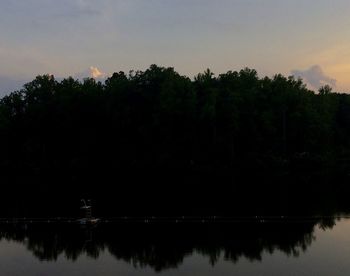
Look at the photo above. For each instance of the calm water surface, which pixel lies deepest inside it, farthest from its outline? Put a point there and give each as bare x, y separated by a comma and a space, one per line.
298, 247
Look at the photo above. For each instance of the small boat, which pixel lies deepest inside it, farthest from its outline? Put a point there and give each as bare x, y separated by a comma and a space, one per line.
88, 219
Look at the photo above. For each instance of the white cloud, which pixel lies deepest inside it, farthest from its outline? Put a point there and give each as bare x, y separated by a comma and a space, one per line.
11, 84
92, 72
315, 77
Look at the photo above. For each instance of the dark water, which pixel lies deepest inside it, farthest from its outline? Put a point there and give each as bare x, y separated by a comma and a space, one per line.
299, 246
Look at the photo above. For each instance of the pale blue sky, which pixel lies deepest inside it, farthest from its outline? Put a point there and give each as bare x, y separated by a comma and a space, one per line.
68, 36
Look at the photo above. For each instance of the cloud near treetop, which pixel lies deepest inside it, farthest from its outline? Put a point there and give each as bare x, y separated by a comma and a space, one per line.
91, 72
315, 77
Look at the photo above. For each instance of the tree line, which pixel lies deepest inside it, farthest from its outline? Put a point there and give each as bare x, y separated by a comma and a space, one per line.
168, 136
149, 246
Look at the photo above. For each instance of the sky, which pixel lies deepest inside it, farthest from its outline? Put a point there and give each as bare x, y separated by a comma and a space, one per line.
306, 38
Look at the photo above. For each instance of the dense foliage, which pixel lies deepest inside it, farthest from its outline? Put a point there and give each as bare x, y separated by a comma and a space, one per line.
159, 133
164, 246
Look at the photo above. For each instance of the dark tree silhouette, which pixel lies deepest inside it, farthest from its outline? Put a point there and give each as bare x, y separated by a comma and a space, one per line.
165, 246
157, 142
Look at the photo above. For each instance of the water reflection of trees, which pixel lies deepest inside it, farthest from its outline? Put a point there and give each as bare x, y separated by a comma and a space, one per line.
166, 246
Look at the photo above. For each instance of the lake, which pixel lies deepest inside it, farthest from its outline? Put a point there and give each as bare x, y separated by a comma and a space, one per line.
246, 246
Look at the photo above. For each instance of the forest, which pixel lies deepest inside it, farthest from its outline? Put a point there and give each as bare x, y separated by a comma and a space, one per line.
149, 246
154, 142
